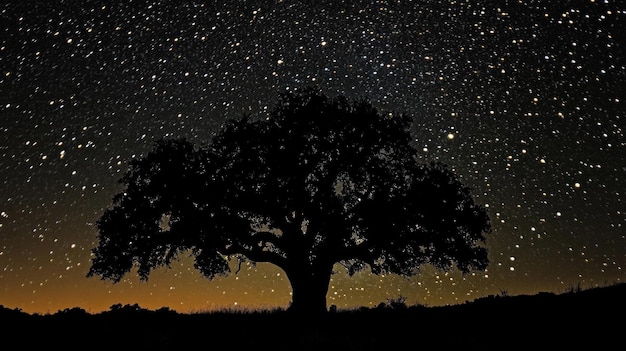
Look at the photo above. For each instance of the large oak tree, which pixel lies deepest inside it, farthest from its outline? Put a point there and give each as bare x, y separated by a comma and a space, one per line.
319, 181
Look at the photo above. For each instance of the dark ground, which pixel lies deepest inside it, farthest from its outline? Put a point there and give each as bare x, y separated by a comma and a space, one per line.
591, 319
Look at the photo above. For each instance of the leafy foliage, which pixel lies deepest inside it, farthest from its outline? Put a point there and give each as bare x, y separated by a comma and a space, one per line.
319, 181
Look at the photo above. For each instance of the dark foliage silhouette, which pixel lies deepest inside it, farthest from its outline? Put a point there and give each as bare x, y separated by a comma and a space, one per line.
320, 181
569, 321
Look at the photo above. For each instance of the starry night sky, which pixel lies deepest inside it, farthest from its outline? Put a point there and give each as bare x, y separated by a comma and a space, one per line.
525, 100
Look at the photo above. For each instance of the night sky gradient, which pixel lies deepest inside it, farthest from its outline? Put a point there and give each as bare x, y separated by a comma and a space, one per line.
525, 100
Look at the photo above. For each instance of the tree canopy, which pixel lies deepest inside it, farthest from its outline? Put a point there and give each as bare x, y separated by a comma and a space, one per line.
316, 182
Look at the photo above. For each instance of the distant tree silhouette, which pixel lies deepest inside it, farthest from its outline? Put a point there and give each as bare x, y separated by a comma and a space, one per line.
319, 181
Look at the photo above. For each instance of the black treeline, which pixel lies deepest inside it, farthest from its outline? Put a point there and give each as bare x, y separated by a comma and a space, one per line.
591, 319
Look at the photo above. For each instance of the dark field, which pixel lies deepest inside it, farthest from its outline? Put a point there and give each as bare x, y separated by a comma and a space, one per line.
592, 319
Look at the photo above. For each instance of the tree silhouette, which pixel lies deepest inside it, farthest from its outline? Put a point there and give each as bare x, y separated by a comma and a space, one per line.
320, 181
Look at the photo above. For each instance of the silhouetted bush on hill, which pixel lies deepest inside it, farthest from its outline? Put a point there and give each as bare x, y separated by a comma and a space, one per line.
588, 318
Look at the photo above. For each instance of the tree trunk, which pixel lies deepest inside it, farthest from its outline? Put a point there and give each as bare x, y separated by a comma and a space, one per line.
309, 289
